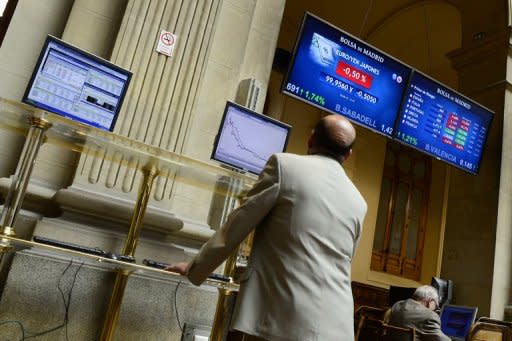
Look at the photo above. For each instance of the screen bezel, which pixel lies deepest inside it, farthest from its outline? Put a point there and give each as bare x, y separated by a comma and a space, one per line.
44, 49
253, 113
448, 306
292, 63
484, 144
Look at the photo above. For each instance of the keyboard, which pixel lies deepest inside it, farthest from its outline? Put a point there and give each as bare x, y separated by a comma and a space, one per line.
160, 265
85, 249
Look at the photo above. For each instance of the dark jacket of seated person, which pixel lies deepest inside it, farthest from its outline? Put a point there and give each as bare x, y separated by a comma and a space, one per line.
418, 313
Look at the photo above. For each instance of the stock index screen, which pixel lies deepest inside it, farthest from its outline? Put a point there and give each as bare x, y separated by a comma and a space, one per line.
75, 84
340, 74
443, 123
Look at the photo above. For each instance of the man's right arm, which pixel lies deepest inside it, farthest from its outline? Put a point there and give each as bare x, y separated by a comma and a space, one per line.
256, 205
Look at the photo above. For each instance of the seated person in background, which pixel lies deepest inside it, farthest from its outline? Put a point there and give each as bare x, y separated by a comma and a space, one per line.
418, 313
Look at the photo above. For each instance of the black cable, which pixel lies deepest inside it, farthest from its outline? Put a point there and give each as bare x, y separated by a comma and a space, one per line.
66, 303
176, 306
365, 18
427, 36
22, 329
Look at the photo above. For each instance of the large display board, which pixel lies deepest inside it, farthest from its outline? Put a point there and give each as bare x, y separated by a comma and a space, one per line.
78, 85
247, 139
339, 73
443, 123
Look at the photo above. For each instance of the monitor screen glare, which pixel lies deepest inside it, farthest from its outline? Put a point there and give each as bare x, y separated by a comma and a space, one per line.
77, 85
456, 321
339, 73
440, 122
247, 139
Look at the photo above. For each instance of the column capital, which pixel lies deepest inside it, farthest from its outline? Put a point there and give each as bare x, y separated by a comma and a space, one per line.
479, 52
481, 66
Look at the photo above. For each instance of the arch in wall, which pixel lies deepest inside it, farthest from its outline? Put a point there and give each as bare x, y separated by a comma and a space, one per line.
421, 34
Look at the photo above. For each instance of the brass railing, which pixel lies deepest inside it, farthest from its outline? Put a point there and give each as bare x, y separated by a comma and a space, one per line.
44, 126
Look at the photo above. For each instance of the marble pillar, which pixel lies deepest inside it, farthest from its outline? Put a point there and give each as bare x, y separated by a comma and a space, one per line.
501, 299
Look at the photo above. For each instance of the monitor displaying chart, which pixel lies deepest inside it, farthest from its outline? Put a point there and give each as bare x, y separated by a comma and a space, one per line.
247, 139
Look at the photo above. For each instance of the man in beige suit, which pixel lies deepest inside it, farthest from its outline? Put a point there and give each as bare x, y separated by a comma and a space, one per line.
308, 217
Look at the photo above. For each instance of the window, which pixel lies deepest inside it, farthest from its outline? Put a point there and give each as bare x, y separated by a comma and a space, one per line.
7, 8
401, 217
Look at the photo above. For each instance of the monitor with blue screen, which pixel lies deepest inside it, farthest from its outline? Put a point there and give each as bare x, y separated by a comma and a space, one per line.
456, 320
339, 73
78, 85
443, 123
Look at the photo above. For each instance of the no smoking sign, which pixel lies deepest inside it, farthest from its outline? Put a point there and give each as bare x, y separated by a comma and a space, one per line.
166, 43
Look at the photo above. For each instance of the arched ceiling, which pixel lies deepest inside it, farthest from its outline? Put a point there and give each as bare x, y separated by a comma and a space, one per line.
421, 35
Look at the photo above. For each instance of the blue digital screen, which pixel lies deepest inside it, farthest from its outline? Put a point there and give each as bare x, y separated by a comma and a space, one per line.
443, 123
456, 321
340, 74
78, 85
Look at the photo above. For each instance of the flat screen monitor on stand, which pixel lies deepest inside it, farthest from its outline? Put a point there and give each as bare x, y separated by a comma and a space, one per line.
78, 85
246, 139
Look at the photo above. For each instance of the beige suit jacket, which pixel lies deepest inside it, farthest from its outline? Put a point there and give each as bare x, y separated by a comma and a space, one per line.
308, 218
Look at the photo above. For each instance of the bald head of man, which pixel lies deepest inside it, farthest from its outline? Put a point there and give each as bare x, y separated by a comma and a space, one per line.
333, 136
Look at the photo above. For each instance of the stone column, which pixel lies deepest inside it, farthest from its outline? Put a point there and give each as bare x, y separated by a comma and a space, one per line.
175, 103
93, 24
501, 299
158, 103
231, 61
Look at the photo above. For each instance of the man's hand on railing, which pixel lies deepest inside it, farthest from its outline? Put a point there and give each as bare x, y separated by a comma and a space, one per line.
180, 268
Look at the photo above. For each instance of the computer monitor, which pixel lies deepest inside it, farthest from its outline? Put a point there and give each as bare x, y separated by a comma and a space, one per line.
456, 320
443, 123
246, 139
76, 84
399, 294
444, 288
339, 73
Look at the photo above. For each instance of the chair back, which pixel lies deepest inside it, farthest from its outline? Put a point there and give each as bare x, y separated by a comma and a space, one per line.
377, 330
494, 321
368, 322
394, 333
484, 331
